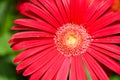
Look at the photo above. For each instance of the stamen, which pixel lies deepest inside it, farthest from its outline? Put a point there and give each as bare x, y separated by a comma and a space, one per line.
72, 39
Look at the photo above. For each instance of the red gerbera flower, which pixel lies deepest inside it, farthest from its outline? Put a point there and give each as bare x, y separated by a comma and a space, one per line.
62, 37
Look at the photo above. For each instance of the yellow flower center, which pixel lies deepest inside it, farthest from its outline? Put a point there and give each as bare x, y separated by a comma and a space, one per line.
71, 41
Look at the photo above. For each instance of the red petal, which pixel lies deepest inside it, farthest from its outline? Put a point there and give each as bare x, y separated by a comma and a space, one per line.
30, 34
30, 43
41, 14
108, 53
92, 73
77, 69
29, 52
111, 39
97, 68
18, 27
67, 9
40, 63
105, 60
73, 69
92, 9
36, 2
115, 29
34, 58
41, 71
61, 9
110, 47
107, 18
63, 72
40, 25
24, 10
52, 71
78, 8
103, 7
51, 8
80, 69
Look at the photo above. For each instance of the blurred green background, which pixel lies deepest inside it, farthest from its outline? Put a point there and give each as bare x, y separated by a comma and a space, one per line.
8, 14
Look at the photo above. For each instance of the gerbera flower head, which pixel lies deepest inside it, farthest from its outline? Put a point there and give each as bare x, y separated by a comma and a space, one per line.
60, 39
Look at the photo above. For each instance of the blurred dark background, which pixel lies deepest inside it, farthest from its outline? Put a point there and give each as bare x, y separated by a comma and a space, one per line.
8, 13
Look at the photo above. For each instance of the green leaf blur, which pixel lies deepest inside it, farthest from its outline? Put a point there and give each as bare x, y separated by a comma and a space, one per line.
8, 14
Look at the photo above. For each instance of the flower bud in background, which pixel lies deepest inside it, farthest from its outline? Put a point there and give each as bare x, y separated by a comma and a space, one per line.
116, 5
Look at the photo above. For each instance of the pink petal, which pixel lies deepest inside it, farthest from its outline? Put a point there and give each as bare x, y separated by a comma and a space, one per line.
38, 74
97, 68
106, 52
30, 43
63, 72
32, 59
40, 25
105, 60
115, 29
29, 52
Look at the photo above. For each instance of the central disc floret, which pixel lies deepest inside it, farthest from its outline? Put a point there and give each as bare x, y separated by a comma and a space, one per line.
72, 40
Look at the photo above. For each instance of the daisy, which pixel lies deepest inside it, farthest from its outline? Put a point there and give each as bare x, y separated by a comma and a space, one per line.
62, 39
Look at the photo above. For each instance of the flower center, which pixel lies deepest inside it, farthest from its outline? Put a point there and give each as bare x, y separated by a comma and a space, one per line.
72, 39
